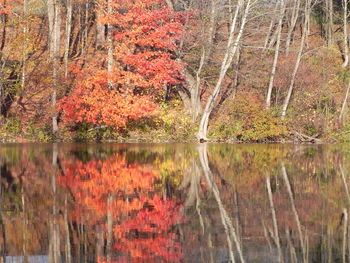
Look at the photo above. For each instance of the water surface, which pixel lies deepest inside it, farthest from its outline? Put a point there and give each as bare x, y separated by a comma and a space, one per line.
174, 203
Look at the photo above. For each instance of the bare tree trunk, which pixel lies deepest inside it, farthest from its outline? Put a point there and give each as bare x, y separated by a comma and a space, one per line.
269, 31
232, 46
297, 63
84, 41
4, 32
345, 32
275, 60
206, 52
329, 18
68, 33
100, 28
54, 14
293, 22
345, 102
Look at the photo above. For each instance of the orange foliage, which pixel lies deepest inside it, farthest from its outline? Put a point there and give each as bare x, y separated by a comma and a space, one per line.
146, 35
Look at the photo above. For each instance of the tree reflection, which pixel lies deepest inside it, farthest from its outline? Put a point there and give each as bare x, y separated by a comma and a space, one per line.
199, 203
121, 198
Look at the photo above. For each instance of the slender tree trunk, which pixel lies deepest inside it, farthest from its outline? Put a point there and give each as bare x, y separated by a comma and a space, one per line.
293, 22
297, 63
206, 53
100, 28
231, 50
329, 18
54, 14
84, 41
277, 51
345, 102
345, 31
272, 23
68, 33
3, 33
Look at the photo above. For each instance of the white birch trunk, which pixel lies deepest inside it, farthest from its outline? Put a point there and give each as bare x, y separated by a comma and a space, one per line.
68, 33
231, 50
276, 56
297, 63
293, 22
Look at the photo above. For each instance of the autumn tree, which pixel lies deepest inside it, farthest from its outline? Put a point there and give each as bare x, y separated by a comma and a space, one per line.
145, 36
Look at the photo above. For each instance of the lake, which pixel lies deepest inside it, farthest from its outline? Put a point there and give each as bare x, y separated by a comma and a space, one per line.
174, 203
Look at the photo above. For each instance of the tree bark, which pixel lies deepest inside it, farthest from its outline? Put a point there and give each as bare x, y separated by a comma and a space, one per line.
231, 49
297, 63
345, 31
54, 14
277, 51
293, 22
329, 27
269, 31
68, 33
345, 102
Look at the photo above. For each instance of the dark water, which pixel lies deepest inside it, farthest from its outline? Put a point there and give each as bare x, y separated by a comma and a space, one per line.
174, 203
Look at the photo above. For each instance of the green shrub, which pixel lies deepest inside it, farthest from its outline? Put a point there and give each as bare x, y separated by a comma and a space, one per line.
11, 126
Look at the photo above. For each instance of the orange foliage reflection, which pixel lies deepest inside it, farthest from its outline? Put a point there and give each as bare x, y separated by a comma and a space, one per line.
143, 222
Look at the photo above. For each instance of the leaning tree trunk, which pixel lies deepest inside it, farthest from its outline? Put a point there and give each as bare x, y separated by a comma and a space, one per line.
293, 22
345, 102
232, 46
297, 63
272, 23
277, 51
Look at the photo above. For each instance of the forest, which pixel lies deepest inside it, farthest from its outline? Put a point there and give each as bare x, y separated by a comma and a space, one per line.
174, 70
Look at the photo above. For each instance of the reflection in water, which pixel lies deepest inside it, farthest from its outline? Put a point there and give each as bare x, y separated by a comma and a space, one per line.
174, 203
